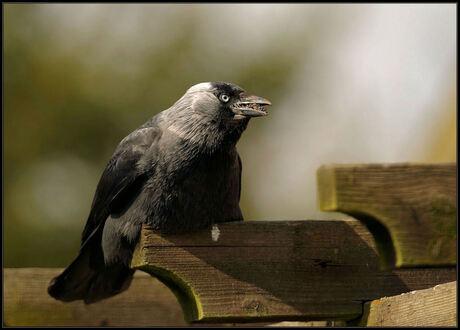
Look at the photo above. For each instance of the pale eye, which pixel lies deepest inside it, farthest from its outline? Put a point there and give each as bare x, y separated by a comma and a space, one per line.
224, 98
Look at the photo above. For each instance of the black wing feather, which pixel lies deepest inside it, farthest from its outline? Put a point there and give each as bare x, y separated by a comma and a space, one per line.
122, 178
88, 277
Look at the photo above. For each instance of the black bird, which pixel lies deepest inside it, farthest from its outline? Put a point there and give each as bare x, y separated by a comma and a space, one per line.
177, 172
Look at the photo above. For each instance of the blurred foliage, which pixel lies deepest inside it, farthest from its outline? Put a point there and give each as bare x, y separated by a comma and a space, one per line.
60, 102
79, 77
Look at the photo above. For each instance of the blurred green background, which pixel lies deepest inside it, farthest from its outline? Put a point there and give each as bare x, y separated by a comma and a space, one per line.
348, 83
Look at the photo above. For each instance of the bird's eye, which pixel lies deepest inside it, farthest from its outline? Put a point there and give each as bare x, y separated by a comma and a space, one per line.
224, 98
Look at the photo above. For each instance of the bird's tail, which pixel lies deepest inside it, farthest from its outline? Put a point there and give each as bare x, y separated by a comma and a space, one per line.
89, 279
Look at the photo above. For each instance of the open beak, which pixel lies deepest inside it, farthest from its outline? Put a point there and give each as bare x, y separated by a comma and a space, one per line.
250, 106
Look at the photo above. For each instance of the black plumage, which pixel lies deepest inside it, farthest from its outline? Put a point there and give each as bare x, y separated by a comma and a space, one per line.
177, 172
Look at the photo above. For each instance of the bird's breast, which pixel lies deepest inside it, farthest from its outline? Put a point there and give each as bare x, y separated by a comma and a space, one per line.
196, 194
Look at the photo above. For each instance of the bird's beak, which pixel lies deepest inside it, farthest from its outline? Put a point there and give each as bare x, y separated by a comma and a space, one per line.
250, 106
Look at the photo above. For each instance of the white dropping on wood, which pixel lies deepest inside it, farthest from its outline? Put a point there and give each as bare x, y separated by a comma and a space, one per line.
215, 233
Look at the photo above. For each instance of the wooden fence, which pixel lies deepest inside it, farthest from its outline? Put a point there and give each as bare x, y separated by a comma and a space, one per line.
392, 264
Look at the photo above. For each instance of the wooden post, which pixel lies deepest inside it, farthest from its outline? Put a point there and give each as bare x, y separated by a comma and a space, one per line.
410, 208
257, 271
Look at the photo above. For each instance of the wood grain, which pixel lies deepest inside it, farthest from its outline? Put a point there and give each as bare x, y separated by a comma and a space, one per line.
434, 307
146, 303
26, 303
276, 270
410, 208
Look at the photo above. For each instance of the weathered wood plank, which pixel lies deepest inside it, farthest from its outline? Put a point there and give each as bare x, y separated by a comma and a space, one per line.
410, 208
276, 270
26, 303
433, 307
147, 302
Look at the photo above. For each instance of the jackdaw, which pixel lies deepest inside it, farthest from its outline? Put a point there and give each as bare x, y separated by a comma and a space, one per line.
177, 172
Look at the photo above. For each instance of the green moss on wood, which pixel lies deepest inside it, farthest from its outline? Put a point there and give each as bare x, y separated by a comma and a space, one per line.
184, 293
327, 195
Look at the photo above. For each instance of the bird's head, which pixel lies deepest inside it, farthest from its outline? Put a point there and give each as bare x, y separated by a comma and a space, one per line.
225, 101
217, 108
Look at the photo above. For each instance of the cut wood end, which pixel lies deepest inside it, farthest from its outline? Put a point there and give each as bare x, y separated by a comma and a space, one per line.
327, 195
185, 294
138, 259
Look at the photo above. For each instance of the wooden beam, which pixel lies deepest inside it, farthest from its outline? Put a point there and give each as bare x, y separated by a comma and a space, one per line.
410, 208
26, 302
433, 307
276, 270
146, 303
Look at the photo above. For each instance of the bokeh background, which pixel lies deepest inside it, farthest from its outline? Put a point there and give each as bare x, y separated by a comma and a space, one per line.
349, 84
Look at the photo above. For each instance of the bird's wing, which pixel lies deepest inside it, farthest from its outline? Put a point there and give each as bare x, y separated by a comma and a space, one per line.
122, 178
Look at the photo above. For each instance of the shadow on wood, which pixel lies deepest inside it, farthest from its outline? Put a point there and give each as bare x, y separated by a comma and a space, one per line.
276, 270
